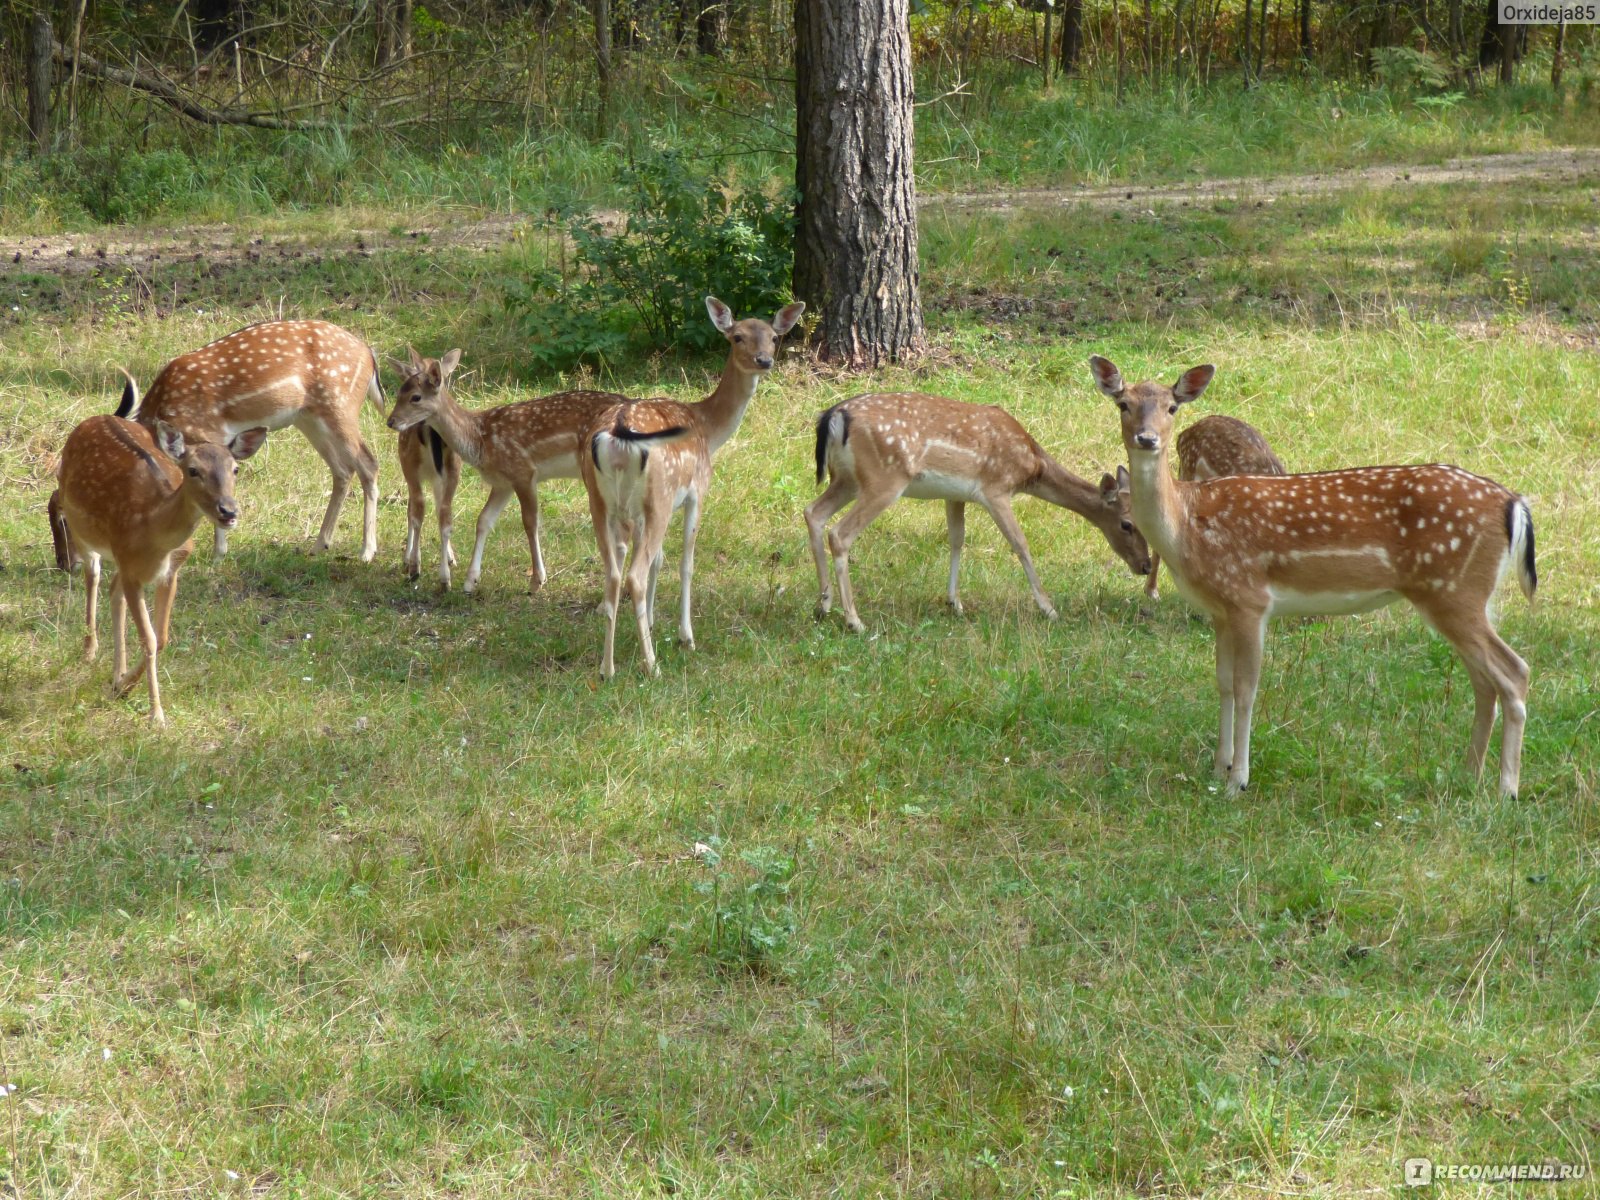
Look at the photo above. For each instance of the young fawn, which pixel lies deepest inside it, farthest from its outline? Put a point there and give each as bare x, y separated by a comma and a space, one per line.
885, 445
427, 464
1210, 448
1248, 547
646, 459
137, 497
513, 447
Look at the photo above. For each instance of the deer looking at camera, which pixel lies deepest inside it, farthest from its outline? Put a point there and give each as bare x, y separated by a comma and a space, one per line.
884, 445
427, 464
309, 374
137, 497
645, 459
1212, 447
1248, 547
513, 447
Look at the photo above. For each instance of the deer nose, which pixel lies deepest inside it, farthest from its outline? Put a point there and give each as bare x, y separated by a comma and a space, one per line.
764, 361
1146, 441
228, 511
392, 425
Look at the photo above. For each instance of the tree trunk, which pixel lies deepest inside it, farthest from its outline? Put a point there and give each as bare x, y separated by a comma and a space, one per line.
1458, 41
855, 261
1245, 43
1305, 31
1266, 20
1558, 54
600, 10
1500, 44
710, 26
394, 31
1071, 35
41, 74
1049, 55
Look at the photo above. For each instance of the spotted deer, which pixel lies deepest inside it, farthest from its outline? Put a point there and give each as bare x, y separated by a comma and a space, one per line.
309, 374
879, 447
645, 459
513, 447
427, 464
1214, 446
1247, 547
137, 497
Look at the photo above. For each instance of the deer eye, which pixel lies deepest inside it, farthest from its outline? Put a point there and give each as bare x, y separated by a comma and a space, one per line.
235, 468
739, 337
1172, 409
1123, 405
1127, 527
194, 473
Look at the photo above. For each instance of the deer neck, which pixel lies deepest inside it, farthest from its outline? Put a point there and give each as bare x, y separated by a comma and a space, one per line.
1159, 503
720, 413
460, 427
1057, 485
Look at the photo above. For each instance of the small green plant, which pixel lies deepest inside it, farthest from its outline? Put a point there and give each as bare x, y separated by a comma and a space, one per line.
750, 922
686, 234
1406, 69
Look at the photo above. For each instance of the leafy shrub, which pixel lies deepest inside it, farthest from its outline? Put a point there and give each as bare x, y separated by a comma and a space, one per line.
750, 922
686, 234
1405, 69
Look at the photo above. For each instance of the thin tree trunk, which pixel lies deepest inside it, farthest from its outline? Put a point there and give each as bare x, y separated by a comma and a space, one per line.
394, 31
1071, 36
855, 258
1266, 21
1305, 30
41, 74
1151, 56
1116, 22
710, 27
1246, 42
600, 10
1049, 45
1558, 54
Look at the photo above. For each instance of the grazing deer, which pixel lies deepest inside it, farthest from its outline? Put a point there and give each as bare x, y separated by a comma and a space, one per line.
513, 446
1210, 448
427, 463
646, 459
1248, 547
137, 498
309, 374
885, 445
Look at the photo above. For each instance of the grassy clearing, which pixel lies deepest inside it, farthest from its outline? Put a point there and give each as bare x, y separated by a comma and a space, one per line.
1005, 132
404, 901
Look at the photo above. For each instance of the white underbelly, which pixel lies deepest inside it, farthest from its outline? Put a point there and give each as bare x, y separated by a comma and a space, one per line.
561, 466
1286, 602
935, 485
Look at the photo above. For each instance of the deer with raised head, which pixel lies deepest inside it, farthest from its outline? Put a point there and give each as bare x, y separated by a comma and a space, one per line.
645, 459
137, 497
309, 374
1244, 548
513, 446
427, 464
881, 446
1212, 447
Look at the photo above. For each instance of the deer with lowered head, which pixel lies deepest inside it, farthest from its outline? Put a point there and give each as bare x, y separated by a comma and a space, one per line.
137, 497
309, 374
1244, 548
513, 447
881, 446
645, 459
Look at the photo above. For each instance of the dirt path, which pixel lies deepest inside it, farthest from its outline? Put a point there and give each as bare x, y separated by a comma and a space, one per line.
78, 253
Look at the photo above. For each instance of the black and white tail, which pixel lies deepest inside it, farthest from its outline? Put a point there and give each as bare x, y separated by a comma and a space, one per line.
832, 424
1519, 528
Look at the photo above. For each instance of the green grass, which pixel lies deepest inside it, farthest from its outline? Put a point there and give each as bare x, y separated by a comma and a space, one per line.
406, 902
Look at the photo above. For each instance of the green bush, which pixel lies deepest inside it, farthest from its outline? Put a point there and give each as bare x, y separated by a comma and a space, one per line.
686, 234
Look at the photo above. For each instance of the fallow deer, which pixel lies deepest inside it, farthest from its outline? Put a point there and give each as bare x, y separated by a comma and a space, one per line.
513, 446
428, 465
1247, 547
884, 445
645, 459
309, 374
1210, 448
137, 498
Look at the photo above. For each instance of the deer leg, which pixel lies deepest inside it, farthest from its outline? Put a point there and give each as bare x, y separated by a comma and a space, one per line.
340, 453
1512, 676
91, 587
1000, 510
641, 573
499, 497
119, 630
843, 535
841, 490
416, 510
605, 534
1222, 761
147, 635
691, 528
528, 499
1150, 580
167, 592
444, 500
955, 527
1249, 634
1497, 673
367, 469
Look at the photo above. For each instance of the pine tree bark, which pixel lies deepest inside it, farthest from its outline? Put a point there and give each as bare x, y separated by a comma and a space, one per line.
41, 74
855, 262
1071, 35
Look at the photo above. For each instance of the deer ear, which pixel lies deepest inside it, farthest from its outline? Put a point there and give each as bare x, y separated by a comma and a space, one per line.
1106, 376
169, 441
721, 314
245, 443
787, 317
449, 363
1124, 483
418, 363
1194, 382
402, 368
1108, 489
